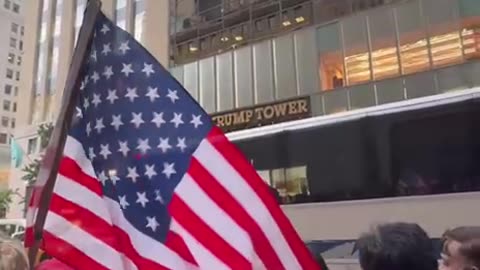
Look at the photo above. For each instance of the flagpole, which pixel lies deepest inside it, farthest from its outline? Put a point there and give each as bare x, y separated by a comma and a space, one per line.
50, 164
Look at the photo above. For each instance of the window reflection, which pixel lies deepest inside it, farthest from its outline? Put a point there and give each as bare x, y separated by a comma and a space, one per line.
330, 57
357, 57
289, 184
398, 40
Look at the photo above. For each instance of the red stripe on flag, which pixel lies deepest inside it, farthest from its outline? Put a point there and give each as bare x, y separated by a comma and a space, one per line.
205, 235
231, 206
70, 169
176, 243
101, 230
60, 249
230, 152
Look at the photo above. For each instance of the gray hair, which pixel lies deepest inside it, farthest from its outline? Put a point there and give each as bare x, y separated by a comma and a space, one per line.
12, 254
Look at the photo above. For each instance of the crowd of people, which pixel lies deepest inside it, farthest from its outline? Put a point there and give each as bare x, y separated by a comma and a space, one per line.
390, 246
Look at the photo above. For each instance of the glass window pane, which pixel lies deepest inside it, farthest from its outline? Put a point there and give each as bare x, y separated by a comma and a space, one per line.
443, 27
384, 44
330, 55
278, 181
470, 24
413, 43
296, 181
357, 56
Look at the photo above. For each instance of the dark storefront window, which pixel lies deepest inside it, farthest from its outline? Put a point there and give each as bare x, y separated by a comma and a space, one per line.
432, 151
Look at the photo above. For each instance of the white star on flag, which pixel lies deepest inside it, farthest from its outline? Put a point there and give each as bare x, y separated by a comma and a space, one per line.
99, 125
108, 72
152, 93
148, 69
105, 151
143, 146
123, 201
117, 121
95, 77
105, 29
91, 153
137, 119
172, 95
196, 120
102, 177
79, 113
127, 69
96, 100
88, 129
132, 174
86, 104
124, 47
152, 223
181, 144
150, 171
131, 94
142, 198
177, 119
158, 196
158, 119
106, 49
112, 96
94, 55
114, 178
123, 148
164, 145
168, 169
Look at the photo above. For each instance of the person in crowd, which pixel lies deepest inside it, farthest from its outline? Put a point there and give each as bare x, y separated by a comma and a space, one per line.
53, 264
396, 246
12, 254
461, 249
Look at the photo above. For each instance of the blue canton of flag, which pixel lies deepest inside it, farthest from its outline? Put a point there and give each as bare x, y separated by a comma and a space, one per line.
138, 126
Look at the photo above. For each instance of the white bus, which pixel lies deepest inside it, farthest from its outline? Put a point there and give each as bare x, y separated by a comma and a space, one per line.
412, 161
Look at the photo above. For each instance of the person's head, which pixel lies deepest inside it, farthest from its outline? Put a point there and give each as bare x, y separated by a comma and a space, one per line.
461, 249
396, 246
12, 254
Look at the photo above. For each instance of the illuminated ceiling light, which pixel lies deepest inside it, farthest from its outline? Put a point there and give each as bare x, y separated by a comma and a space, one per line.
224, 39
286, 23
300, 19
238, 38
193, 48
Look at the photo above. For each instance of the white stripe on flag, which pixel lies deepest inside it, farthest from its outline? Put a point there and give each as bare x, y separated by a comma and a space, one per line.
145, 246
232, 181
82, 196
214, 216
74, 150
83, 241
204, 258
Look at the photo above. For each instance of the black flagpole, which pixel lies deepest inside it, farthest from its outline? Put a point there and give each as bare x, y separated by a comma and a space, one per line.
50, 164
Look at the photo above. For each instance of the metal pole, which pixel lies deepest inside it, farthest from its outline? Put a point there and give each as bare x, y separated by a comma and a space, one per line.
50, 164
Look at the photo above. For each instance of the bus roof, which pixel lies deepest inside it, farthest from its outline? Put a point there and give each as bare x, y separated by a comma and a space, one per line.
406, 105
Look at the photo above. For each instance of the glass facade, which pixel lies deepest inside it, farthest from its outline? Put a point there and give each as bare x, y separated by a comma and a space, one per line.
55, 47
79, 12
139, 14
41, 61
390, 53
121, 14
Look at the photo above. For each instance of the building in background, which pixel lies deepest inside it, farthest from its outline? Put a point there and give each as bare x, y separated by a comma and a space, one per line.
51, 30
12, 32
389, 90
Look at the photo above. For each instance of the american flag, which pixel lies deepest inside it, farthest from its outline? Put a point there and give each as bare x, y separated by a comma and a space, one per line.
148, 182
